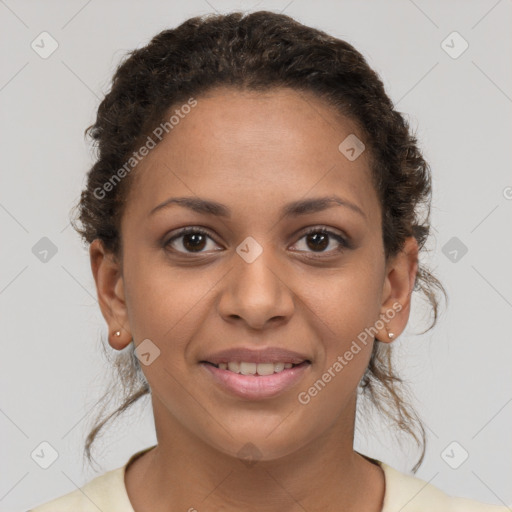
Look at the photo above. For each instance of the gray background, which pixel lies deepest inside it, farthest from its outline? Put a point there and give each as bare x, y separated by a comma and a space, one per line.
52, 364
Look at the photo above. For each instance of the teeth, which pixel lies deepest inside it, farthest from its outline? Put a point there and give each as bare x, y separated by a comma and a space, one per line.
265, 368
234, 367
247, 368
254, 368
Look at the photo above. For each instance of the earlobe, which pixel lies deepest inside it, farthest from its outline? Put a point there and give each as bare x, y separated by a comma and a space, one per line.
111, 298
397, 290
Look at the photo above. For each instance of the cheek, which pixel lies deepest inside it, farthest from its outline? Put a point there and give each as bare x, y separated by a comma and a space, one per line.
348, 306
165, 303
350, 299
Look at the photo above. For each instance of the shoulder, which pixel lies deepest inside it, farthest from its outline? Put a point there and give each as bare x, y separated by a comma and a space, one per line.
106, 492
409, 493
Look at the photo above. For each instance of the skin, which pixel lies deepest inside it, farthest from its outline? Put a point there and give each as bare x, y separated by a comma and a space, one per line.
253, 152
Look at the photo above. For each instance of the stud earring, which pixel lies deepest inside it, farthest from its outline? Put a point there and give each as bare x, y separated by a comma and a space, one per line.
117, 333
391, 335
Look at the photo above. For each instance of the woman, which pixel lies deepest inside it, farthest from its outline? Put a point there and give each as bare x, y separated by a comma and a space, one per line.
255, 219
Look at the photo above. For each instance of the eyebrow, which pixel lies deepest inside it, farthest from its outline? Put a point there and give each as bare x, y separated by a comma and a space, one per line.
294, 209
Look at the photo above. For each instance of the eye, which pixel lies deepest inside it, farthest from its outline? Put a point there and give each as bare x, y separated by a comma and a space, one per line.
318, 239
194, 240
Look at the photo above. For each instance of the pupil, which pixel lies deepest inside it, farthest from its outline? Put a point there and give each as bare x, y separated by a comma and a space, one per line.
196, 241
316, 236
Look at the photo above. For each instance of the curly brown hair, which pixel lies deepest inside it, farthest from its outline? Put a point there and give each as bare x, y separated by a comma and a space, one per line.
260, 51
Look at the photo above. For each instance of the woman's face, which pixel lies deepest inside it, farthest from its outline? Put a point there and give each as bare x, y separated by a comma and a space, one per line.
255, 280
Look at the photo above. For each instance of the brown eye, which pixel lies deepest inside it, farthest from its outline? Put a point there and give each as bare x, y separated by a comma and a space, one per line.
194, 240
318, 239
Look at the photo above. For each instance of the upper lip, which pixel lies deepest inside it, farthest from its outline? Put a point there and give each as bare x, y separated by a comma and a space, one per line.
248, 355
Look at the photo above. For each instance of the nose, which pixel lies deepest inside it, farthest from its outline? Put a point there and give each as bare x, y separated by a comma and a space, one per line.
257, 293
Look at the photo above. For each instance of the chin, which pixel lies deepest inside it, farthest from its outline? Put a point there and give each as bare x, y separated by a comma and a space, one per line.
252, 445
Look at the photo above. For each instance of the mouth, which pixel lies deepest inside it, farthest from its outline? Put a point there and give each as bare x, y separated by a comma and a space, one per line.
255, 381
259, 369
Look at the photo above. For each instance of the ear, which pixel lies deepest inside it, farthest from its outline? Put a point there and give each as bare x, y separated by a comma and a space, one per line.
110, 288
397, 290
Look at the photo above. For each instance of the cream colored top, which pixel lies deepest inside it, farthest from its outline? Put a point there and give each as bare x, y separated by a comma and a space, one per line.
404, 493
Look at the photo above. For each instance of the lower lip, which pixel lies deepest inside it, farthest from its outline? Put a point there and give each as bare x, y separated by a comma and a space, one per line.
257, 387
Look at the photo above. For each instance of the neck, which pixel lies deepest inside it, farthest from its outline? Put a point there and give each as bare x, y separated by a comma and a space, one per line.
186, 473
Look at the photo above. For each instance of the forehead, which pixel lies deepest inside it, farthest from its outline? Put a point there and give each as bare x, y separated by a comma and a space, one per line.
278, 145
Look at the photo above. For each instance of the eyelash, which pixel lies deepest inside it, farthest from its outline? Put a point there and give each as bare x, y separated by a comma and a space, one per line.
197, 230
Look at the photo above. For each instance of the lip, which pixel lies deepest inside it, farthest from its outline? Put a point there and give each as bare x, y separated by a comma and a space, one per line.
256, 387
248, 355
